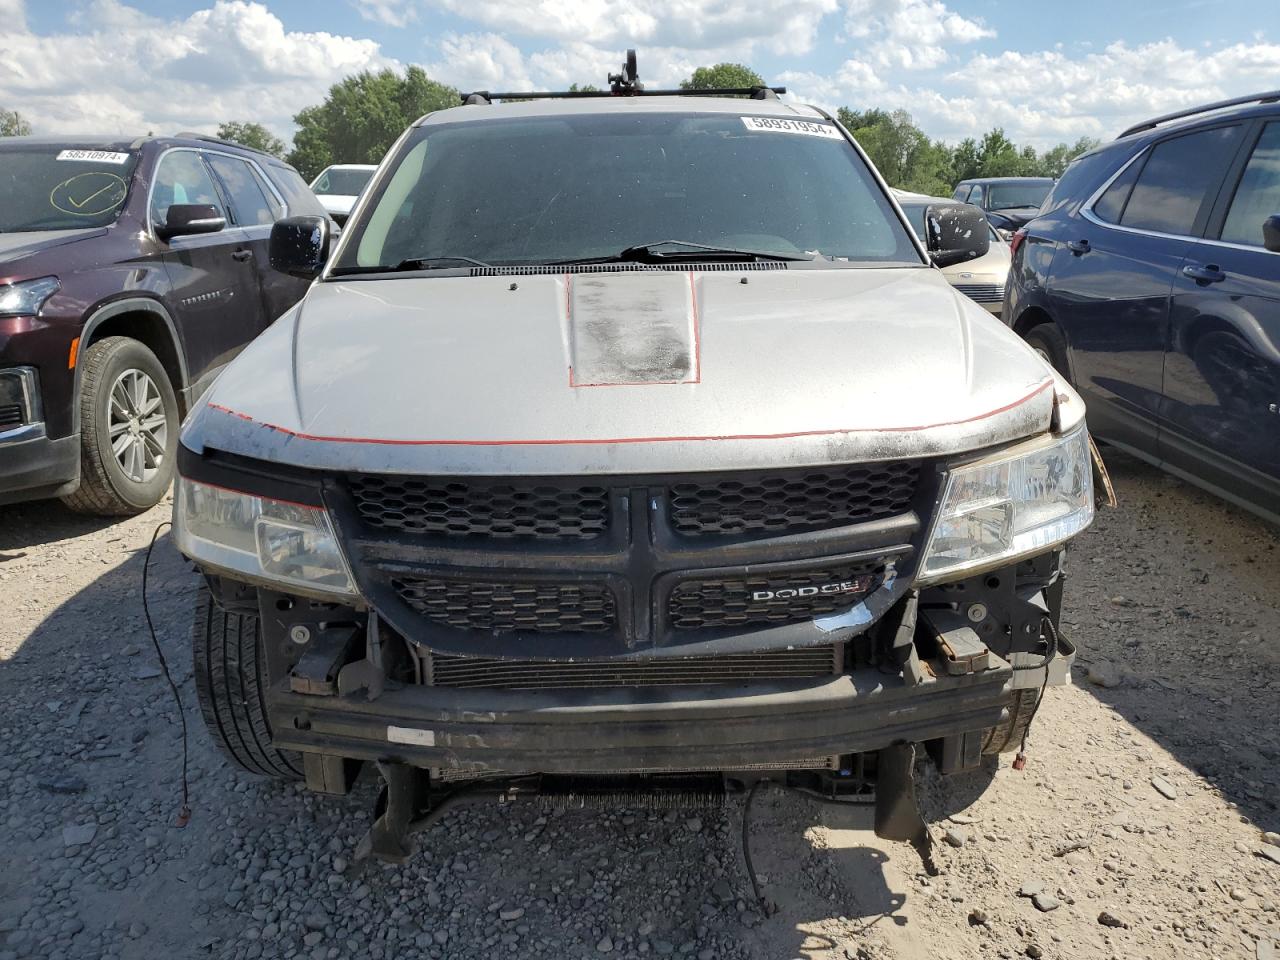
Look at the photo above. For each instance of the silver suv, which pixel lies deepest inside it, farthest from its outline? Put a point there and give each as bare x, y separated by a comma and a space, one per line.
629, 442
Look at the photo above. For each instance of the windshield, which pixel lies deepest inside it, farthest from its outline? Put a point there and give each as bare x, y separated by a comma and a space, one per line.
341, 183
61, 188
1007, 196
546, 189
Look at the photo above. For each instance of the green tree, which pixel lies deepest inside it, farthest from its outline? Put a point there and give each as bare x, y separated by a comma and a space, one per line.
965, 162
13, 124
998, 157
900, 150
362, 116
583, 88
1055, 159
722, 76
253, 135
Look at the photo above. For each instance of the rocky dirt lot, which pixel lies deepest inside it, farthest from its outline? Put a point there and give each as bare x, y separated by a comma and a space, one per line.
1138, 829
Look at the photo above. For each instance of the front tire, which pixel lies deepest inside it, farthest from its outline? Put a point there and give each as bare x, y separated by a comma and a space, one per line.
1048, 341
231, 684
1006, 736
128, 429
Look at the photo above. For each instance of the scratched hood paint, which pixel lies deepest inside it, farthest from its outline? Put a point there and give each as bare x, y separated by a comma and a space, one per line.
14, 246
627, 373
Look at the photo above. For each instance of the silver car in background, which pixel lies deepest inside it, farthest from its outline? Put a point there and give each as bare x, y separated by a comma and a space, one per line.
981, 280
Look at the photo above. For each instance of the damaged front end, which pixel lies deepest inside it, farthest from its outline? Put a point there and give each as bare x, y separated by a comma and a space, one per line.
670, 636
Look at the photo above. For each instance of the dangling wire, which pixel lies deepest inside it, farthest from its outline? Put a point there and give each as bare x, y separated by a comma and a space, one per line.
184, 812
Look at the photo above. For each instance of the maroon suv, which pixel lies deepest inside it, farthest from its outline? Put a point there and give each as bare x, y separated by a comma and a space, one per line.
131, 272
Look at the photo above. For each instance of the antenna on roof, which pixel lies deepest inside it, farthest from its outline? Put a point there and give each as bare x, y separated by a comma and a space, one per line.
628, 81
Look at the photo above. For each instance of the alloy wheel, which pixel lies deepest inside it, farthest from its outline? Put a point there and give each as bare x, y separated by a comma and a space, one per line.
137, 425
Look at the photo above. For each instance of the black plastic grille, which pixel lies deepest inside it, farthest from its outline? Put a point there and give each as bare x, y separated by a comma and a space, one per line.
11, 415
982, 292
794, 500
469, 509
454, 671
535, 607
792, 598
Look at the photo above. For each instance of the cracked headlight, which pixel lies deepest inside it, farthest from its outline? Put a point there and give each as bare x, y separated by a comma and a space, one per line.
1010, 505
271, 542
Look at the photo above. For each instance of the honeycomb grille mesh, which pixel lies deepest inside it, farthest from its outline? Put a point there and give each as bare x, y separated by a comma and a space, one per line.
454, 671
710, 604
535, 607
774, 503
500, 511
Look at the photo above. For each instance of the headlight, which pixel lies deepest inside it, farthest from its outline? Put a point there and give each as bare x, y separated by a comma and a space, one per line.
26, 298
1013, 504
267, 541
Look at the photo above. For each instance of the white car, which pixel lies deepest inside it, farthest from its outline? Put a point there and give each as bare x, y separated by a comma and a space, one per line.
981, 280
339, 186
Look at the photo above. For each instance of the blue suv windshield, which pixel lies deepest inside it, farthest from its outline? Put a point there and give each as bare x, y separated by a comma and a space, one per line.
61, 188
526, 190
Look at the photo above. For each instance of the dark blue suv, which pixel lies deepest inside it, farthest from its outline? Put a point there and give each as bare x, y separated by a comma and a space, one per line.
1151, 278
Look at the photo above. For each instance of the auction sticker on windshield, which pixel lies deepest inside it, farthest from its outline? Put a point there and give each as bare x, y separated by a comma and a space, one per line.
94, 156
808, 128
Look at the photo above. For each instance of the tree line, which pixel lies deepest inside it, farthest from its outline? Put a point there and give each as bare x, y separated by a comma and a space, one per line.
364, 114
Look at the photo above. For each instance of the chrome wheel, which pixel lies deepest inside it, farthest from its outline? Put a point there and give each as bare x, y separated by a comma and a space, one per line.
137, 426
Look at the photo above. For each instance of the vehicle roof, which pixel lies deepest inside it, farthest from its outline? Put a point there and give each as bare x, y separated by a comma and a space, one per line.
351, 166
119, 142
733, 106
95, 142
1007, 180
1207, 118
906, 196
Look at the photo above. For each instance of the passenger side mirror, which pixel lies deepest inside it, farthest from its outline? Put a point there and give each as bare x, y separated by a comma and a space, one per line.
955, 234
184, 219
1271, 233
300, 246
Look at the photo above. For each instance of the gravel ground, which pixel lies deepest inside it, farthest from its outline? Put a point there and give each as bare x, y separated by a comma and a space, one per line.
1137, 830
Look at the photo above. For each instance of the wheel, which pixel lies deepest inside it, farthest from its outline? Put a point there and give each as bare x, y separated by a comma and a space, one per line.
1048, 341
128, 429
231, 681
1007, 735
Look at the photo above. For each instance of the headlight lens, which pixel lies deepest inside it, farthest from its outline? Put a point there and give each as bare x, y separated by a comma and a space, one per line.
1010, 505
268, 541
26, 298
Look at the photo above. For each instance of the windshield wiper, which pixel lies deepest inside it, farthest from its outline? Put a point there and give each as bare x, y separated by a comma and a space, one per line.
410, 263
647, 253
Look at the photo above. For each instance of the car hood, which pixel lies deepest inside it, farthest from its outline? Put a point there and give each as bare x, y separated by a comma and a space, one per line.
627, 372
15, 246
336, 203
1013, 216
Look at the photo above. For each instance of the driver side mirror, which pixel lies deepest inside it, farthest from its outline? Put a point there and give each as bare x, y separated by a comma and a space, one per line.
300, 246
184, 219
1271, 233
955, 234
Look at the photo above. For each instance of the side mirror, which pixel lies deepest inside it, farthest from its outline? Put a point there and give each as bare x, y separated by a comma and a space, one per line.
184, 219
1271, 233
300, 246
955, 234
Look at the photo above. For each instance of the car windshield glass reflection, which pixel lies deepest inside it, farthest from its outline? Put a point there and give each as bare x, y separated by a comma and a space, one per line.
1009, 196
54, 188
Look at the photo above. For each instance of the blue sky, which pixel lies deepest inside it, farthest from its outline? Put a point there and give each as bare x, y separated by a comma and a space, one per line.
1045, 71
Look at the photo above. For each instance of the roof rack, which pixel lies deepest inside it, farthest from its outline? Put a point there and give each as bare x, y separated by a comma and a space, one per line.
625, 84
208, 138
1270, 97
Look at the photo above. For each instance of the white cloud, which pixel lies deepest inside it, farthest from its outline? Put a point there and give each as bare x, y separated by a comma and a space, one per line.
125, 72
693, 25
394, 13
910, 34
1049, 96
481, 61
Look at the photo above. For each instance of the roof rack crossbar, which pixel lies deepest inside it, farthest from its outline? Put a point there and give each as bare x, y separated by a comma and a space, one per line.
758, 93
624, 84
1272, 96
209, 138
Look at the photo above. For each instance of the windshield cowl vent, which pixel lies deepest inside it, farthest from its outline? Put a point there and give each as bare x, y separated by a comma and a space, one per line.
687, 267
